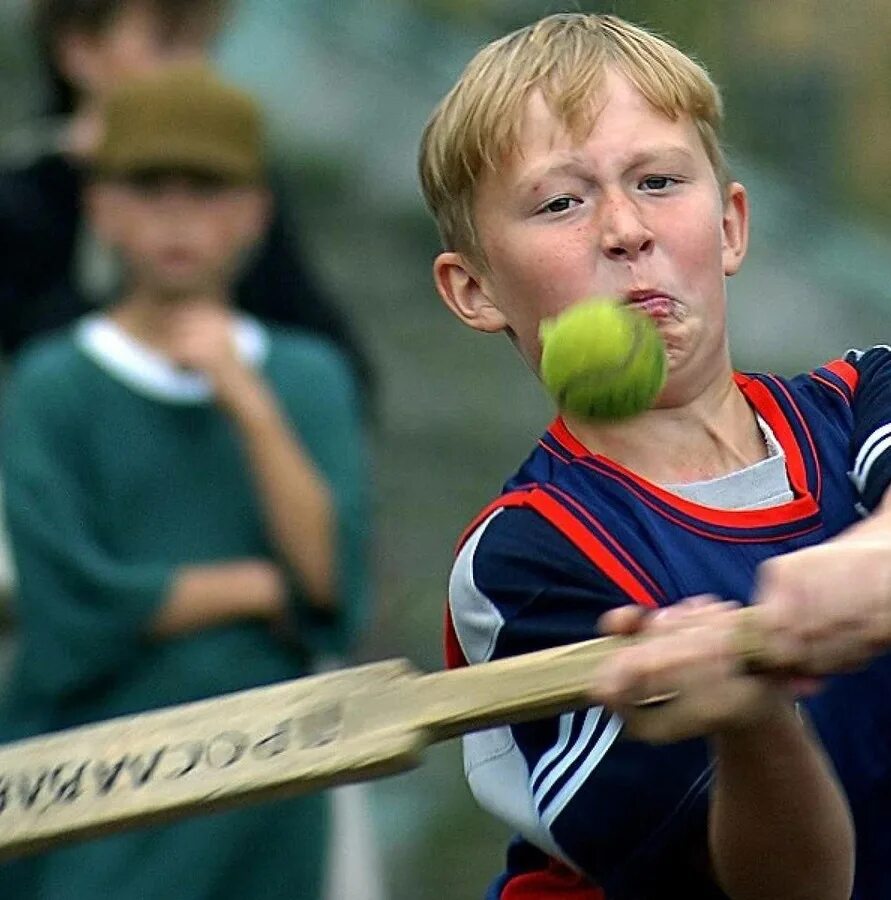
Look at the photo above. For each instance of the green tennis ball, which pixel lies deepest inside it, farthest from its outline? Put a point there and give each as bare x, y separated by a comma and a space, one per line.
601, 360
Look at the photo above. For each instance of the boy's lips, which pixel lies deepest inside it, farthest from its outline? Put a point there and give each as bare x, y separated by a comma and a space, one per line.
654, 303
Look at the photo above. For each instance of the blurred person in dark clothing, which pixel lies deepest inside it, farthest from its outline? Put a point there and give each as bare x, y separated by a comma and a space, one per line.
53, 270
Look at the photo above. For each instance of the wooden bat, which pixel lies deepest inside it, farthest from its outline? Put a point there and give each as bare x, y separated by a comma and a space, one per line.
284, 739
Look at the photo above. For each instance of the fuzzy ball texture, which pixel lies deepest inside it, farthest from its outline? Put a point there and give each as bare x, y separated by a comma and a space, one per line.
601, 360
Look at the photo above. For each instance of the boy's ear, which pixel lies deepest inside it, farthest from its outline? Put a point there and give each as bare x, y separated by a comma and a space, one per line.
735, 225
464, 292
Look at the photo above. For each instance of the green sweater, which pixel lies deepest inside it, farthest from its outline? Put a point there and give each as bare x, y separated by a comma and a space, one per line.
116, 473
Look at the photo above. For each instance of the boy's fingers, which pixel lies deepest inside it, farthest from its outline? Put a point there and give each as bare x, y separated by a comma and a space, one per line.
656, 700
624, 620
651, 668
632, 619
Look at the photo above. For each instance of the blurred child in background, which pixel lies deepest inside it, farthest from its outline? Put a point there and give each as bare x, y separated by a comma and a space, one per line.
185, 493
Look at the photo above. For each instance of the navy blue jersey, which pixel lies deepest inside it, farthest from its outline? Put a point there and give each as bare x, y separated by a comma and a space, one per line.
575, 534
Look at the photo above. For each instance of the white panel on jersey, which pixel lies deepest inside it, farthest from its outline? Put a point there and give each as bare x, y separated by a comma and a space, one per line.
493, 764
499, 780
477, 620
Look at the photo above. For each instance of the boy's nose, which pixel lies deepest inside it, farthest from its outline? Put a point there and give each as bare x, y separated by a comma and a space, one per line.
625, 235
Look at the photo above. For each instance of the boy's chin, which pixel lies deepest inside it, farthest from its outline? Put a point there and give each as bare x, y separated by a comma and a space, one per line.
173, 290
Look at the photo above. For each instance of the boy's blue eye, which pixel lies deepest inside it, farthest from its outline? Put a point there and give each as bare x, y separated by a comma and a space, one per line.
558, 204
657, 182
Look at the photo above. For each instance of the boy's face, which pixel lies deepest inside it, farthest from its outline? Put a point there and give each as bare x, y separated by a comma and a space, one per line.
178, 236
633, 211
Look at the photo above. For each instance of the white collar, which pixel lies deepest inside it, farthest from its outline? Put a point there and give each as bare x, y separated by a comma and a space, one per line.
774, 448
148, 372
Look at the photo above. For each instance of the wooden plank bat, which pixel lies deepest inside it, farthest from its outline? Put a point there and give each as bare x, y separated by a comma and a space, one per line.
284, 739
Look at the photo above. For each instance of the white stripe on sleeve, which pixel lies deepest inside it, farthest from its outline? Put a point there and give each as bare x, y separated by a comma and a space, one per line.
563, 736
568, 791
873, 447
592, 717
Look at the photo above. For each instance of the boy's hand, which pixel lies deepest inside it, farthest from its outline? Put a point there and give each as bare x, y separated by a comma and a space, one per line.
828, 608
208, 594
265, 589
684, 680
201, 337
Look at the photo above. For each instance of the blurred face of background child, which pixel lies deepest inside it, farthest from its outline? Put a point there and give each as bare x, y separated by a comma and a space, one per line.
178, 235
633, 207
137, 39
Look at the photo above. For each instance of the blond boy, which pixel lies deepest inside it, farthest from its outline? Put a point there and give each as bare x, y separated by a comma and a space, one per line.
579, 157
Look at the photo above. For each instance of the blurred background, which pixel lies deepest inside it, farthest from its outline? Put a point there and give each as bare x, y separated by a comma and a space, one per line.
348, 85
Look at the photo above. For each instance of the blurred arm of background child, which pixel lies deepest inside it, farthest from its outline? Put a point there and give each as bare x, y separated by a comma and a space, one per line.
294, 497
216, 593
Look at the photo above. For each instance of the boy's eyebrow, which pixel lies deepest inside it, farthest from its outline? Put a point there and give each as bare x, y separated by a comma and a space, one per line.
572, 165
661, 154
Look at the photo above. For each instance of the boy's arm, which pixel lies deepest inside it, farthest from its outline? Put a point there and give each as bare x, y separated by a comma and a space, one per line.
772, 785
202, 596
774, 788
828, 607
632, 814
293, 495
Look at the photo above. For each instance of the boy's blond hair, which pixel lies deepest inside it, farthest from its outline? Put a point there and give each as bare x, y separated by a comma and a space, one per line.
476, 125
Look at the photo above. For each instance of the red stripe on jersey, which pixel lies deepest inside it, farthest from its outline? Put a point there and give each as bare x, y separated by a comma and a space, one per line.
616, 547
596, 551
557, 882
802, 507
769, 408
452, 651
515, 498
572, 529
565, 437
818, 487
831, 385
844, 370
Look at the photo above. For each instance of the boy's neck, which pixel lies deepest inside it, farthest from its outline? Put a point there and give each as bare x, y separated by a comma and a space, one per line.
715, 434
146, 316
